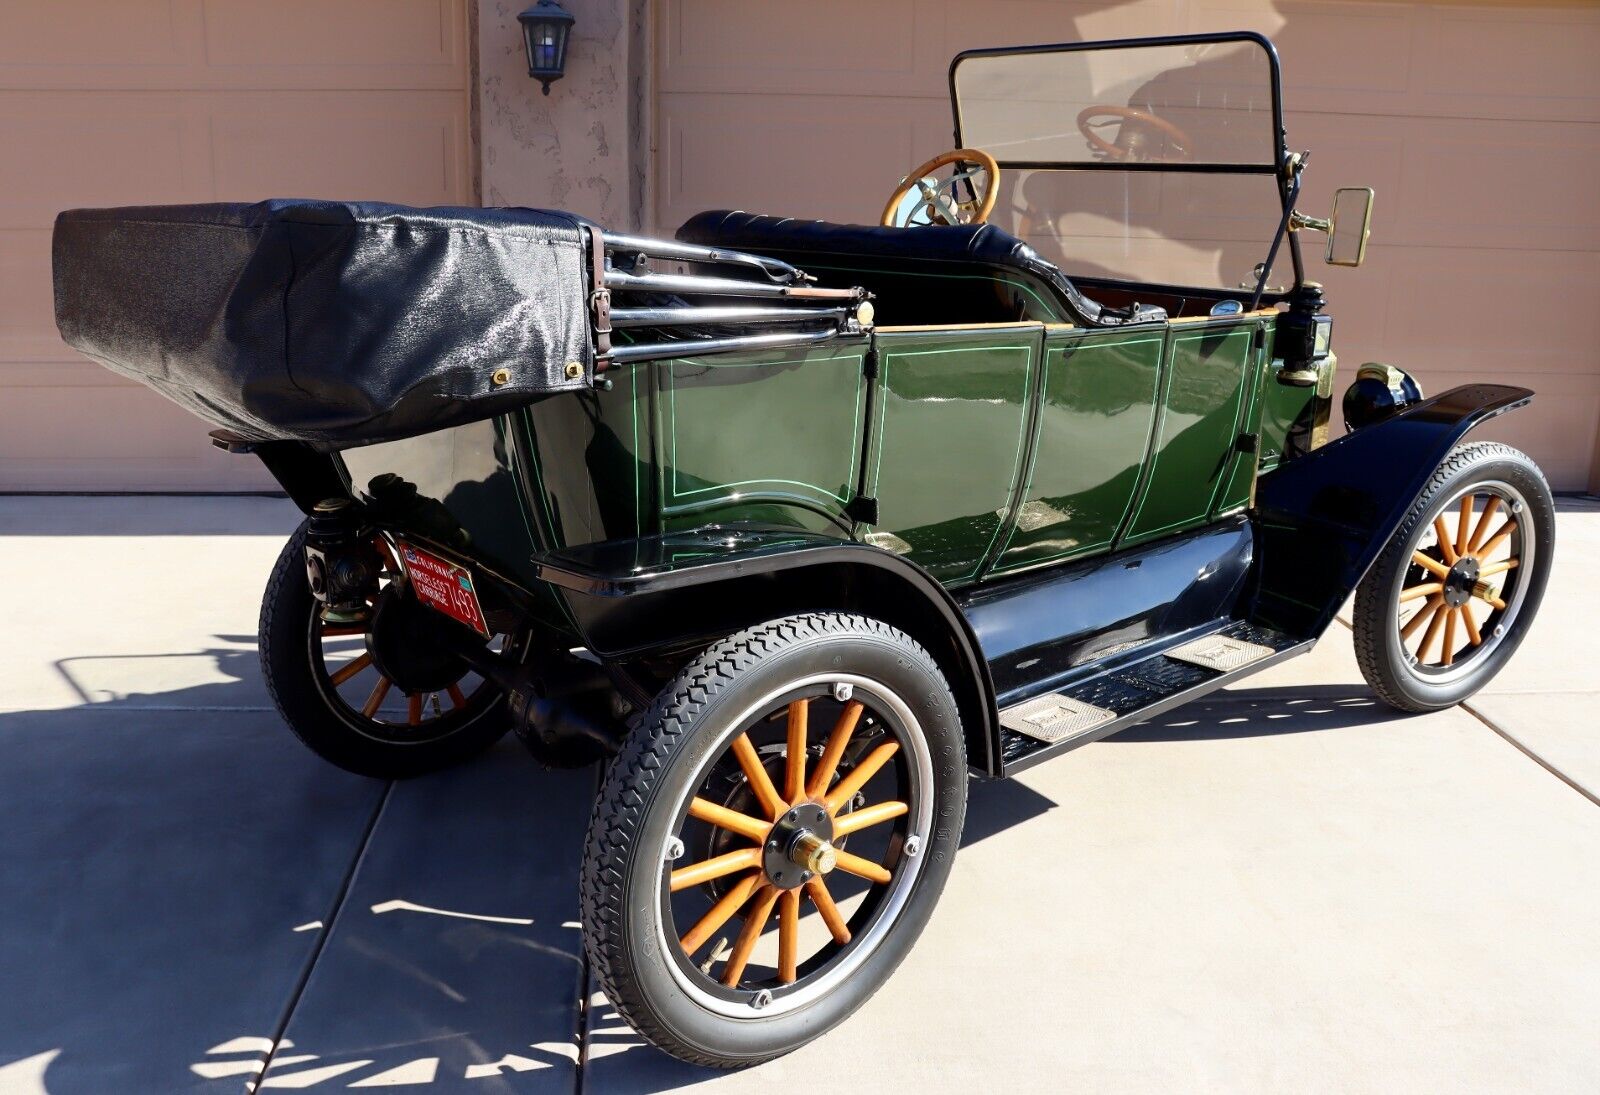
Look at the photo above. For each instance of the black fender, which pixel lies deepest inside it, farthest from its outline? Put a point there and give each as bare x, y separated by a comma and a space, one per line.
1322, 519
637, 598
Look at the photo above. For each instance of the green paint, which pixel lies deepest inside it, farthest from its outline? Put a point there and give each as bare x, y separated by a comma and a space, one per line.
1002, 446
949, 440
740, 430
1242, 475
1097, 407
1201, 391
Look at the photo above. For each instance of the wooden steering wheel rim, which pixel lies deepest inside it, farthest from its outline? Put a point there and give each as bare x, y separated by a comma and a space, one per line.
955, 155
1176, 135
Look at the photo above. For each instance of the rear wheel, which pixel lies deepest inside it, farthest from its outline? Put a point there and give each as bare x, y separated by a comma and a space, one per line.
773, 837
378, 699
1452, 596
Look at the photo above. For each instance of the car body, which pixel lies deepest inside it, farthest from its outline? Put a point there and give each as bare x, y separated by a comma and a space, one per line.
1069, 495
1005, 455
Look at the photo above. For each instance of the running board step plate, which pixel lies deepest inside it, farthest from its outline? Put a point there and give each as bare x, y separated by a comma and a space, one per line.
1124, 694
1054, 717
1221, 653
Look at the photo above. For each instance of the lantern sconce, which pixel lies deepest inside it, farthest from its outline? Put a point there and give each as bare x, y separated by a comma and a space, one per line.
545, 29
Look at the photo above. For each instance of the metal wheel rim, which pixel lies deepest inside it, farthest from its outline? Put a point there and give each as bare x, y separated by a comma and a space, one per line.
919, 824
1495, 627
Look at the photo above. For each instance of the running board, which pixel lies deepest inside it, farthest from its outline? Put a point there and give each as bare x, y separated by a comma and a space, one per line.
1047, 726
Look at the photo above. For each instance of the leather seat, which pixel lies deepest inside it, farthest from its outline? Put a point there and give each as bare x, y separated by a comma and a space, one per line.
967, 248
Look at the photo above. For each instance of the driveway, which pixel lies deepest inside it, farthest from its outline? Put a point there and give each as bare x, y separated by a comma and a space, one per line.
1285, 888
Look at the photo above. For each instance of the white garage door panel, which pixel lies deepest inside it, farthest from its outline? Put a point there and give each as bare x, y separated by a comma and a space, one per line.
150, 101
27, 308
405, 147
187, 44
827, 147
792, 49
1429, 60
1477, 123
64, 437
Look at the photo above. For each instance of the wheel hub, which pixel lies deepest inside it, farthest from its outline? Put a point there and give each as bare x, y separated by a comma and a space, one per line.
404, 644
1462, 580
799, 847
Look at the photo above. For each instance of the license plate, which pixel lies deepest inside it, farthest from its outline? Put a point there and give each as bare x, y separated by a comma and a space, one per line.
442, 585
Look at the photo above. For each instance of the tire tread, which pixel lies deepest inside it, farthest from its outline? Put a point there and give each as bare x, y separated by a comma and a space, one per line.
626, 793
1370, 616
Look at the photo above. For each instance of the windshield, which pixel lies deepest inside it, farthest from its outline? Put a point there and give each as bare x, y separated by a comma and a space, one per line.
1142, 162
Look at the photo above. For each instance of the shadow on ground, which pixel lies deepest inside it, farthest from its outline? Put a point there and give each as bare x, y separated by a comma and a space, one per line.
182, 883
183, 886
153, 869
1258, 712
620, 1063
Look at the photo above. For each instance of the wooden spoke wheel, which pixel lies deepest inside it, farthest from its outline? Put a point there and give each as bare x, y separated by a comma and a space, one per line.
1460, 576
807, 814
1454, 592
380, 697
392, 682
773, 836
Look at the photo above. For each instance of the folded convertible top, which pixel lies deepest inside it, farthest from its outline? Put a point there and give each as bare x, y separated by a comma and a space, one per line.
338, 323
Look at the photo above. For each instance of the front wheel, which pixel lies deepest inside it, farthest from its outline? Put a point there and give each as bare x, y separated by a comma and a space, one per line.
773, 837
1451, 597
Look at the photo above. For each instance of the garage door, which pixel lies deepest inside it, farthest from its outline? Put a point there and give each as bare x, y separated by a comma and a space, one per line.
1479, 125
117, 102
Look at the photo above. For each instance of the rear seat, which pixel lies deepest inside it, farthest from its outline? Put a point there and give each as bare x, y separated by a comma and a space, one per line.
967, 248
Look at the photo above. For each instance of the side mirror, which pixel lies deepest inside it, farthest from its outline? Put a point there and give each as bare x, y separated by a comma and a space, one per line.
1349, 226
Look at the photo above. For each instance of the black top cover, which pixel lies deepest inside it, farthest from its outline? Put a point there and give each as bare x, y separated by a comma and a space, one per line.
337, 323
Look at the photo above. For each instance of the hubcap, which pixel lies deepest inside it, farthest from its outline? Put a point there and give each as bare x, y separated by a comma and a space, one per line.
403, 639
1462, 582
813, 853
797, 847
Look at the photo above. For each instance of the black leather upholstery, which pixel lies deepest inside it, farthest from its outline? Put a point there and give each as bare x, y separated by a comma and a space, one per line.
968, 246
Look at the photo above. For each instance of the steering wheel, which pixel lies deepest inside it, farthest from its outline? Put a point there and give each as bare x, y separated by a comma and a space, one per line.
939, 202
1135, 143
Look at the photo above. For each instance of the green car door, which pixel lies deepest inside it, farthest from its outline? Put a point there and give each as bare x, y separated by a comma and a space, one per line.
1209, 398
949, 432
1097, 404
1139, 434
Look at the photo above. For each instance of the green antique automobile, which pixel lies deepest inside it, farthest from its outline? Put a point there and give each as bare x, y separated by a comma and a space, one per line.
798, 526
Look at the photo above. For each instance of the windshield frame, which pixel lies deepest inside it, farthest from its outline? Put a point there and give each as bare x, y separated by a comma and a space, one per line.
1287, 180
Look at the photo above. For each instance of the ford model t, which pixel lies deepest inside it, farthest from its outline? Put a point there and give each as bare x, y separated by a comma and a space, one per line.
796, 525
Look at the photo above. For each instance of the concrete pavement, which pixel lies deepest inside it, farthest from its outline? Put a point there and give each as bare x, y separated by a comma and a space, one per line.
1283, 888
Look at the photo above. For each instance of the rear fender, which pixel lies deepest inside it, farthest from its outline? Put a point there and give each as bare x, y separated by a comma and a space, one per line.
1323, 518
633, 599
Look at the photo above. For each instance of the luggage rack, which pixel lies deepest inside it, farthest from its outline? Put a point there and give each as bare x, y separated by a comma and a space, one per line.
712, 300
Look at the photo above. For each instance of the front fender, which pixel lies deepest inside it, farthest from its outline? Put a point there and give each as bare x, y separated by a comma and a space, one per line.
640, 597
1322, 520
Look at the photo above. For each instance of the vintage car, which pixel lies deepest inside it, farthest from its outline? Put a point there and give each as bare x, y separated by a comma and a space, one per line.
798, 525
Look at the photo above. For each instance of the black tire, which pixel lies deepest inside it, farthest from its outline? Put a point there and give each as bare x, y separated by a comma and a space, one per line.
1413, 681
629, 931
300, 688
